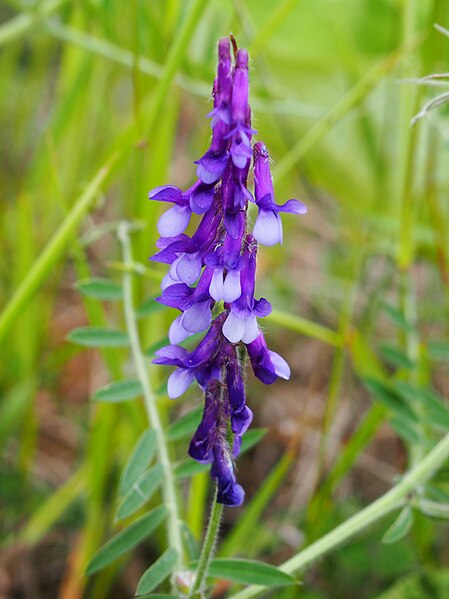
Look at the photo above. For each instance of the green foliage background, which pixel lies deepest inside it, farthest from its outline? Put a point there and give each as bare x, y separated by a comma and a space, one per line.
100, 101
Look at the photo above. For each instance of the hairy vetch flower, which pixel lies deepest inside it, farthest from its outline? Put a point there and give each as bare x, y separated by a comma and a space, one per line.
218, 264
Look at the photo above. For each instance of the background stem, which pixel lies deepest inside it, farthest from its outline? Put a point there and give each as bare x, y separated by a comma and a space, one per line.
169, 490
392, 500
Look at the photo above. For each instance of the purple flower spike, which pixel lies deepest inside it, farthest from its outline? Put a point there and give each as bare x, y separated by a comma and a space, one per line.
268, 226
218, 264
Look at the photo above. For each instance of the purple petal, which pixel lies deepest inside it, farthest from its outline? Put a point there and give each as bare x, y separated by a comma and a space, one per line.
231, 287
171, 355
197, 318
232, 223
178, 382
262, 307
211, 167
167, 193
268, 228
177, 296
234, 328
174, 221
293, 206
201, 199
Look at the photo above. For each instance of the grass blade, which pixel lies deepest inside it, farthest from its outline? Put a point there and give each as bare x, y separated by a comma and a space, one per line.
126, 539
52, 252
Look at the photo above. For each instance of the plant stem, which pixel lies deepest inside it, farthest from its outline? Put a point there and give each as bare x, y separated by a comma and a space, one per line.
389, 502
169, 490
207, 550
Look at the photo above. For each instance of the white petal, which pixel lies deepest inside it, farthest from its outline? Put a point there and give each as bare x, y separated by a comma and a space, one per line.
268, 228
231, 288
177, 332
188, 268
233, 328
251, 329
216, 285
197, 318
281, 368
174, 221
178, 382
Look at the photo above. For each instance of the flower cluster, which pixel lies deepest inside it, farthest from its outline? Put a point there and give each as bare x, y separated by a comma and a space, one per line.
218, 264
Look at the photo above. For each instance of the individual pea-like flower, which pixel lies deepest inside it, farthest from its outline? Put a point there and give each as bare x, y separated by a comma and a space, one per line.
212, 275
268, 226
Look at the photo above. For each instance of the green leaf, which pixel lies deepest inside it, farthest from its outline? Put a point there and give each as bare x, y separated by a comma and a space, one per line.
126, 539
98, 288
439, 349
436, 411
98, 337
140, 492
249, 572
396, 357
397, 317
433, 509
400, 527
190, 467
186, 425
405, 429
158, 596
387, 395
119, 391
157, 572
141, 456
149, 306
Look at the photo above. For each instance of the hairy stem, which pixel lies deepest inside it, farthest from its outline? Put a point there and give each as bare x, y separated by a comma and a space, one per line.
169, 490
389, 502
207, 550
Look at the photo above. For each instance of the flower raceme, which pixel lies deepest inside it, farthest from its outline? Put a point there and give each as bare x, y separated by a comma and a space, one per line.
218, 264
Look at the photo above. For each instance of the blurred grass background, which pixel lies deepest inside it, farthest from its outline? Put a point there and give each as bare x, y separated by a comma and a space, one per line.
102, 100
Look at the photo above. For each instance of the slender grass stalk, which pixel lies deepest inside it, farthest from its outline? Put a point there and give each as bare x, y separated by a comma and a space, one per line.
207, 550
52, 252
351, 99
24, 22
169, 489
392, 500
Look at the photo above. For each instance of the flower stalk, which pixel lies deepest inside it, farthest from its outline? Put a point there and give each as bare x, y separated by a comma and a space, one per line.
168, 484
207, 551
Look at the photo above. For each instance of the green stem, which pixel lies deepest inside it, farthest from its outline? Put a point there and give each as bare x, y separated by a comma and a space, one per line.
169, 490
389, 502
208, 549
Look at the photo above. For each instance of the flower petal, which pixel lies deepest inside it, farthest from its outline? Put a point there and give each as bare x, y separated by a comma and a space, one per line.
233, 328
178, 382
176, 332
216, 285
268, 228
174, 221
188, 268
197, 318
251, 329
232, 289
167, 193
281, 368
293, 206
